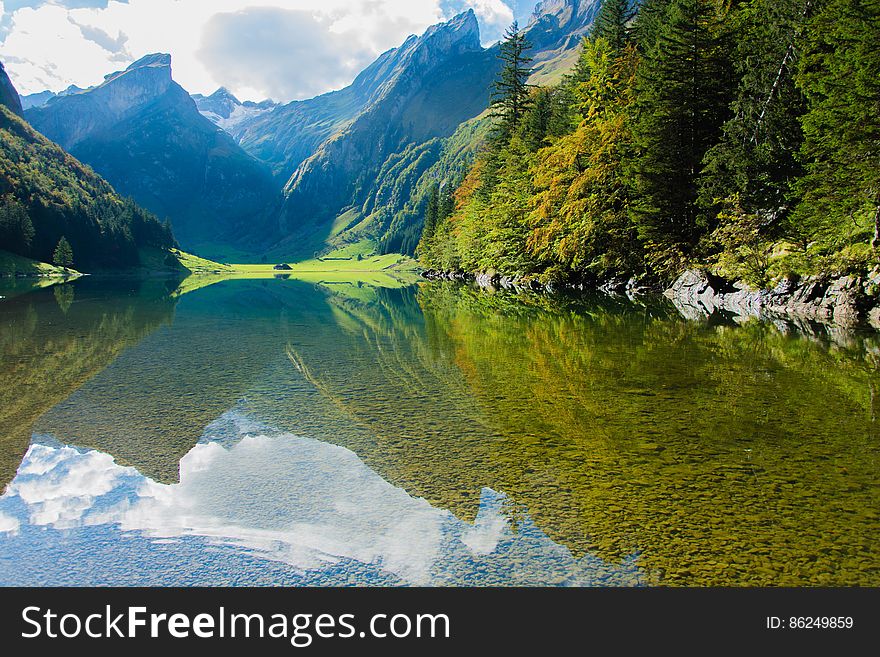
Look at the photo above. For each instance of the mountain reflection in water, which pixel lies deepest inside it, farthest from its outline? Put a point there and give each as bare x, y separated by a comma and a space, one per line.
278, 431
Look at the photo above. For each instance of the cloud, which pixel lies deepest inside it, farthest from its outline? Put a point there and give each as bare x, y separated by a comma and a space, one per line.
283, 49
495, 16
60, 486
107, 42
283, 54
8, 524
294, 500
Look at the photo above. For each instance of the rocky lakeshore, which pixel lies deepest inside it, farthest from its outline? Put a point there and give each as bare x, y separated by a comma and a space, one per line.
844, 301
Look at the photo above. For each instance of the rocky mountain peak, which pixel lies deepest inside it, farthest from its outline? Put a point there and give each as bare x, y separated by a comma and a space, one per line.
155, 60
224, 94
462, 30
70, 118
566, 12
559, 24
417, 54
155, 68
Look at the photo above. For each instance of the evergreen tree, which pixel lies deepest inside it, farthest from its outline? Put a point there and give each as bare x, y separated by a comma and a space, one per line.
63, 256
683, 96
447, 203
548, 117
649, 22
432, 212
16, 228
612, 24
757, 158
510, 97
840, 76
506, 218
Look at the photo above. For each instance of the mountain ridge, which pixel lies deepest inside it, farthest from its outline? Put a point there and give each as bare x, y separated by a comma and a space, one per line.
415, 101
144, 133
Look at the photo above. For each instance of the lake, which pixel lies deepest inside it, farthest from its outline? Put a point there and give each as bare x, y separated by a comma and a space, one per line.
281, 432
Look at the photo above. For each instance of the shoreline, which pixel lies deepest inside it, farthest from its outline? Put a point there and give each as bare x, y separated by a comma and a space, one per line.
848, 302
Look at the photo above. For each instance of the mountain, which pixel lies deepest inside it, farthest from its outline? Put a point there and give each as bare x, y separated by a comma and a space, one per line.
556, 30
37, 99
226, 111
8, 95
144, 133
45, 194
353, 158
42, 98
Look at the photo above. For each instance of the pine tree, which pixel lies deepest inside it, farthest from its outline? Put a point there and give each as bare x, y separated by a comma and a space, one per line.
757, 159
506, 226
16, 229
510, 95
649, 22
447, 203
63, 256
612, 24
432, 212
683, 97
840, 76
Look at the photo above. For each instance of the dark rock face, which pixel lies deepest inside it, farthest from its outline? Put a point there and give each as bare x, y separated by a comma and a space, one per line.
144, 134
844, 301
8, 95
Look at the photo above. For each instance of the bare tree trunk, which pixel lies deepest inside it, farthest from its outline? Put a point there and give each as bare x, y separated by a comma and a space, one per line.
789, 53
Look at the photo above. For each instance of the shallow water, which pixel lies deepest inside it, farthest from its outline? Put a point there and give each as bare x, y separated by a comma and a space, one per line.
282, 432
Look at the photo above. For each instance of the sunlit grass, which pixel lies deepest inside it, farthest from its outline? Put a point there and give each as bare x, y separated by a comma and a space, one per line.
15, 265
389, 270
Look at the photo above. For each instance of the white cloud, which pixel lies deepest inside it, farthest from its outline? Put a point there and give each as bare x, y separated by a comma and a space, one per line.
291, 48
8, 524
494, 15
60, 486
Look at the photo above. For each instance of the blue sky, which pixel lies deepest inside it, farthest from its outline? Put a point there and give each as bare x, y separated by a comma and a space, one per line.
279, 49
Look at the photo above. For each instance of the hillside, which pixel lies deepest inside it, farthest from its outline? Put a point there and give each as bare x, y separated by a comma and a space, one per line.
145, 135
359, 161
46, 194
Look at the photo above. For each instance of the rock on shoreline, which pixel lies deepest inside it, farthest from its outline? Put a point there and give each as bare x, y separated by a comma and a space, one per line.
631, 287
846, 301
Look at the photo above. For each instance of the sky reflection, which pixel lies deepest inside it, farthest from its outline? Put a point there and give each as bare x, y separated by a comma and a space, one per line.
255, 506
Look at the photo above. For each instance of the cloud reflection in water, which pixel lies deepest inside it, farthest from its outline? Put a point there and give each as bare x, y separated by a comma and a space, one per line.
311, 507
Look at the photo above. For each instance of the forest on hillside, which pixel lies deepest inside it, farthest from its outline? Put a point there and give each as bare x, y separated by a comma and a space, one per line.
53, 208
739, 135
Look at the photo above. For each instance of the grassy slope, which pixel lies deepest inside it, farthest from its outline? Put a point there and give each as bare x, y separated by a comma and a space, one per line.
16, 265
392, 270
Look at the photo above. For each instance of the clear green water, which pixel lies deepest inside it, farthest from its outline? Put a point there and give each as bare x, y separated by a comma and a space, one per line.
281, 432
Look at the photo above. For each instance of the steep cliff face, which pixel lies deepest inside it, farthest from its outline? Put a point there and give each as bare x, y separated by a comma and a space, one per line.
8, 95
70, 119
555, 31
145, 135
